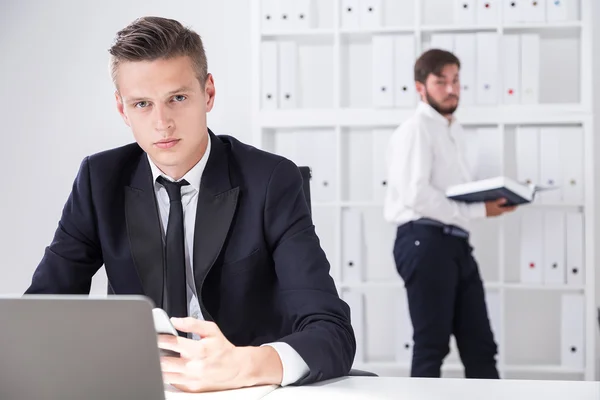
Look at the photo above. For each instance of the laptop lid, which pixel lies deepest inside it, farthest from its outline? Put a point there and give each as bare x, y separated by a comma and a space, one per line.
71, 347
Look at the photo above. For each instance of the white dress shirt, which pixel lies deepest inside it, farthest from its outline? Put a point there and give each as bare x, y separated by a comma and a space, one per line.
294, 366
425, 156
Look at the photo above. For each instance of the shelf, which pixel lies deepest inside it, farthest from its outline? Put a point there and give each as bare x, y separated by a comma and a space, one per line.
331, 204
540, 287
397, 365
564, 207
550, 369
347, 204
386, 29
392, 117
306, 33
543, 26
458, 28
373, 285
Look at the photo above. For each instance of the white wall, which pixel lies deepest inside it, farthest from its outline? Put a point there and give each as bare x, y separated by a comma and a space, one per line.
57, 105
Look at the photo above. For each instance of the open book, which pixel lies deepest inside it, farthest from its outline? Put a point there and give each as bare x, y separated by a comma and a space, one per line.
496, 188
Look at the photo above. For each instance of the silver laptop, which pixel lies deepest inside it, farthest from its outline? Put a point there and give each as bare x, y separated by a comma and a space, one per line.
70, 347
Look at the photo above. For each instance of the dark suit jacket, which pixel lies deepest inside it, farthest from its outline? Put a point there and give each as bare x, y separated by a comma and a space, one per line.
258, 265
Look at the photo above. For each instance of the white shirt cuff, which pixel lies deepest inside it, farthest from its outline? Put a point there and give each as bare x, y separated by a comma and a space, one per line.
294, 366
477, 210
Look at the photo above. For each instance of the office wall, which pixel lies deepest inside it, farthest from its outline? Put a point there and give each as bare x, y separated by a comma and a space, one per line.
57, 104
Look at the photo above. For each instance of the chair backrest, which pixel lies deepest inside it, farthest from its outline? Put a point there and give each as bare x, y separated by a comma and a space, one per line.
306, 175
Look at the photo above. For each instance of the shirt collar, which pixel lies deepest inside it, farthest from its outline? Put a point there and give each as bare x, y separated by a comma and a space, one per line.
193, 176
427, 110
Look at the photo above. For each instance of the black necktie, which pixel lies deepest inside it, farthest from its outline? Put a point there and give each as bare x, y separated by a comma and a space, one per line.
176, 299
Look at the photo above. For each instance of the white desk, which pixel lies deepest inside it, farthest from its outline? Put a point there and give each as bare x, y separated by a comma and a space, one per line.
435, 389
354, 388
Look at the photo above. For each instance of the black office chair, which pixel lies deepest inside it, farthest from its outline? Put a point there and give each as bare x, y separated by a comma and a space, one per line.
306, 176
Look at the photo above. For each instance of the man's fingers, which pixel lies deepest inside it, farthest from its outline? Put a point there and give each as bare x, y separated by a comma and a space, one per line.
187, 348
177, 344
169, 342
173, 365
175, 378
201, 328
183, 383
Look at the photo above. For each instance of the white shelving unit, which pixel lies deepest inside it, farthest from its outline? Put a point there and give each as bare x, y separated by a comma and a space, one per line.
315, 106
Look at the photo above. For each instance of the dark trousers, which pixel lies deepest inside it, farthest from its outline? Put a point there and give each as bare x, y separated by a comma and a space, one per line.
445, 297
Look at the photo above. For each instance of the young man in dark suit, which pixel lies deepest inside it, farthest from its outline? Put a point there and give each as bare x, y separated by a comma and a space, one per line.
212, 230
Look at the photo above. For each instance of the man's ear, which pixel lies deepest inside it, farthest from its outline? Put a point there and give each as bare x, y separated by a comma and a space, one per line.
120, 107
209, 92
420, 89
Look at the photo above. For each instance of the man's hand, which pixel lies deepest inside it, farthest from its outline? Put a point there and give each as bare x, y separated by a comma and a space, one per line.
213, 363
497, 207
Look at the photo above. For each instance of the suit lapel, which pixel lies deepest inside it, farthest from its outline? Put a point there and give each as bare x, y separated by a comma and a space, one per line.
144, 231
217, 202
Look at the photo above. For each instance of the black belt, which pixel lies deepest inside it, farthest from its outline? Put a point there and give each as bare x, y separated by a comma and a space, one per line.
447, 229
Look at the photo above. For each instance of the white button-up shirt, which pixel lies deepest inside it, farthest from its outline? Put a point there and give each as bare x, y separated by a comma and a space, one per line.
425, 156
294, 366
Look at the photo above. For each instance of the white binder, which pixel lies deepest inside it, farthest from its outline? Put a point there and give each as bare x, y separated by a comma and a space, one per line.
532, 223
575, 249
554, 248
494, 308
562, 10
490, 152
381, 143
550, 168
530, 68
383, 71
534, 11
284, 144
442, 41
286, 11
319, 158
352, 246
371, 13
464, 12
487, 68
302, 14
404, 59
528, 155
404, 330
464, 49
488, 12
269, 91
572, 330
571, 163
511, 51
288, 74
269, 15
511, 11
349, 14
357, 166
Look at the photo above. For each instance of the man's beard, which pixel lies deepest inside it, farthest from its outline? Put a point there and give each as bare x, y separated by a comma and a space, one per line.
438, 107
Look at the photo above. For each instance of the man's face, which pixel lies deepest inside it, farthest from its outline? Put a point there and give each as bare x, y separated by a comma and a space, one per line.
165, 106
442, 92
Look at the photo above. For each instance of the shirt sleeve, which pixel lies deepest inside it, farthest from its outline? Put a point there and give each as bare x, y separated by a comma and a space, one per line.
294, 367
410, 166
